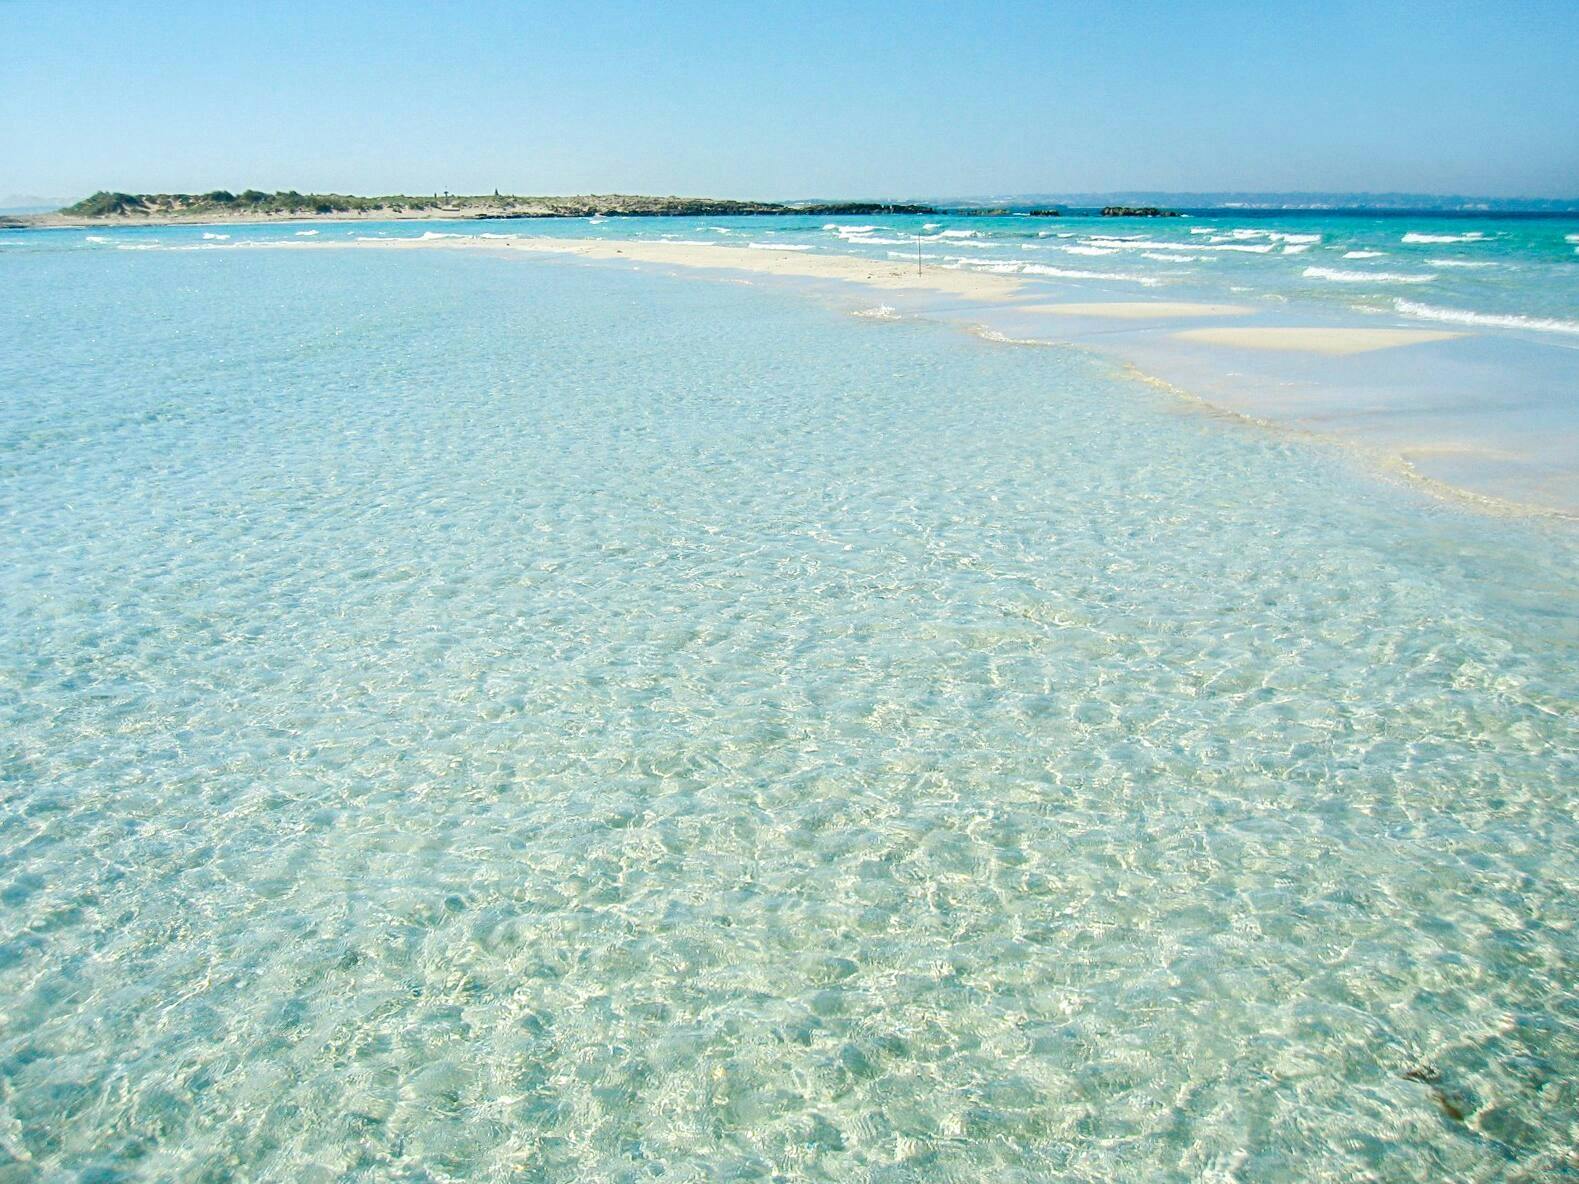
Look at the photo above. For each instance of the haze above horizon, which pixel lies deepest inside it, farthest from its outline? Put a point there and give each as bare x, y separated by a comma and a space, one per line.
848, 100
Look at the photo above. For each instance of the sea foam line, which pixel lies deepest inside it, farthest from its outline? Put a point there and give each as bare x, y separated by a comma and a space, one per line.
1071, 274
1151, 244
1456, 316
1364, 277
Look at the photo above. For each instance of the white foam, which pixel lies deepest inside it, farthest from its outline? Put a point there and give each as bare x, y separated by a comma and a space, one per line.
1571, 238
930, 225
305, 233
882, 312
1455, 316
979, 245
874, 240
1004, 339
432, 234
1079, 250
206, 234
840, 229
960, 234
1460, 263
1364, 277
93, 238
1296, 248
1258, 249
1151, 244
1070, 274
1278, 236
1164, 257
779, 246
1363, 254
1473, 236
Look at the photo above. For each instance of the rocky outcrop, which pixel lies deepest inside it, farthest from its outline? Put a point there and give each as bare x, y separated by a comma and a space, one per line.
861, 209
1138, 212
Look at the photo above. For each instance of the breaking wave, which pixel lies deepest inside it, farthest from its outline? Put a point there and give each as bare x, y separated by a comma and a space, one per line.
1456, 316
1338, 276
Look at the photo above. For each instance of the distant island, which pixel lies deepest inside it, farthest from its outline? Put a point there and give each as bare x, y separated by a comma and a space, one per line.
254, 205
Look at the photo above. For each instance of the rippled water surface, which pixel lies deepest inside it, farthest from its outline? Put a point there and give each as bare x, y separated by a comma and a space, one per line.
489, 719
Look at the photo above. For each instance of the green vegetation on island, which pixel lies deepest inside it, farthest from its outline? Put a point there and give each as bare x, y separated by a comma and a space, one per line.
1138, 212
253, 203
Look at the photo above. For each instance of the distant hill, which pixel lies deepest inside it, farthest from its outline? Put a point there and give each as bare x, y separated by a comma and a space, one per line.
26, 203
1444, 203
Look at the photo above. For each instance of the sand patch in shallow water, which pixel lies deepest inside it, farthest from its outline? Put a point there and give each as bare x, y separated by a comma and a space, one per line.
1142, 310
1333, 342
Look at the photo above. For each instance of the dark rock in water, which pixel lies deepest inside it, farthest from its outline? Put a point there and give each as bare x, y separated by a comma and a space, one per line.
1138, 212
1448, 1106
1423, 1073
1045, 213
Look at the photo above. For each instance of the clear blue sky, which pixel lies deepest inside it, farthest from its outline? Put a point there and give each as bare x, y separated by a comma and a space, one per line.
787, 99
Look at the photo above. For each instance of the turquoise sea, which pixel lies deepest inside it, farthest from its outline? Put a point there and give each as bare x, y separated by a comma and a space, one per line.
469, 717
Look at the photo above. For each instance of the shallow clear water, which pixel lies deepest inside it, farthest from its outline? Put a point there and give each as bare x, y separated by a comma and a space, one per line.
477, 718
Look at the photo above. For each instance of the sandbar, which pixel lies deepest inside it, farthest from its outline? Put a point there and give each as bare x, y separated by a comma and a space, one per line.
1333, 342
875, 273
1142, 310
